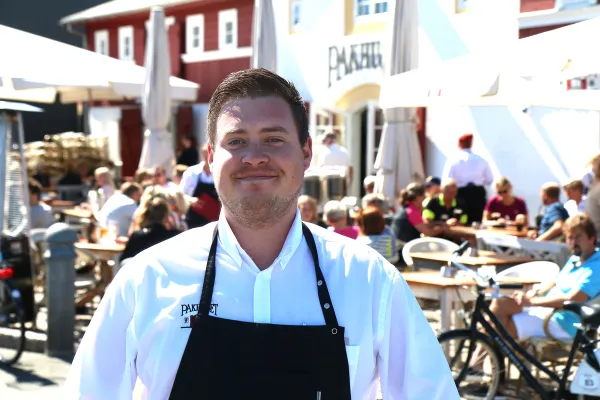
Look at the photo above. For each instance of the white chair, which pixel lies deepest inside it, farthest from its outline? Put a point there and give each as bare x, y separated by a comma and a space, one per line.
426, 245
547, 270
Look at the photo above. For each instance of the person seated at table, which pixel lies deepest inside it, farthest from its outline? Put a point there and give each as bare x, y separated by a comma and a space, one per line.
504, 203
104, 188
433, 187
407, 223
159, 176
372, 232
336, 215
121, 207
578, 281
552, 221
153, 227
445, 207
43, 176
574, 192
308, 210
380, 202
178, 205
41, 213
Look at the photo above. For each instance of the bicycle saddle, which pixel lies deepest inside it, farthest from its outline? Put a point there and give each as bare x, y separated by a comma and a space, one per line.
589, 313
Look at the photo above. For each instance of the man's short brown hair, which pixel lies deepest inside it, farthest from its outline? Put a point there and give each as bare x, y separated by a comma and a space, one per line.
575, 184
257, 82
580, 222
552, 190
130, 188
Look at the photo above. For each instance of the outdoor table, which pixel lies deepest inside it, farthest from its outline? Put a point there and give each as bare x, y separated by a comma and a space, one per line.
450, 292
437, 259
78, 213
104, 252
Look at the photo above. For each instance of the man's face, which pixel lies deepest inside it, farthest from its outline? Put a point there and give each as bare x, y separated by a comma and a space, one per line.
450, 192
505, 192
159, 177
433, 190
257, 160
580, 243
544, 197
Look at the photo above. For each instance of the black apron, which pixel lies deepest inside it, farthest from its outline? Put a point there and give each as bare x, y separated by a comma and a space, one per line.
193, 219
474, 199
226, 359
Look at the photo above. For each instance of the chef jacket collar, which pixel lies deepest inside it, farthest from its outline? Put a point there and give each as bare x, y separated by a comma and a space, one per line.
232, 247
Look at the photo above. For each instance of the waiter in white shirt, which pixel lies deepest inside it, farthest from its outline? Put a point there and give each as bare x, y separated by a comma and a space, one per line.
259, 305
334, 155
472, 174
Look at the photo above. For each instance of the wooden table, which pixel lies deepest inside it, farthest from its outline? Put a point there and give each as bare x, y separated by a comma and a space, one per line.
449, 291
79, 213
437, 259
108, 255
467, 232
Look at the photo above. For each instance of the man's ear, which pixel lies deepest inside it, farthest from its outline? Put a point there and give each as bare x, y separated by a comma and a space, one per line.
307, 152
210, 154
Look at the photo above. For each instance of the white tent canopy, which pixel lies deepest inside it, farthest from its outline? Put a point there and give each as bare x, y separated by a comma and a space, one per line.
37, 69
527, 73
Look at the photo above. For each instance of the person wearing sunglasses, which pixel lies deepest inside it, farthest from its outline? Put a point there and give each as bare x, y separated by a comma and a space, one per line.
504, 203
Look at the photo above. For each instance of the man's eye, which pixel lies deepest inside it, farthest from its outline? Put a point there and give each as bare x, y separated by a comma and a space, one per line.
235, 142
275, 139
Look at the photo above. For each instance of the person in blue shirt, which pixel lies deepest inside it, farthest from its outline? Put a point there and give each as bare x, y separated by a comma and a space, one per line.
579, 280
555, 216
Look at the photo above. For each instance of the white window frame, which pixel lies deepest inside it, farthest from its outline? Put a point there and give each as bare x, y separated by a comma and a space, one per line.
225, 17
372, 147
371, 16
191, 22
296, 7
126, 32
101, 36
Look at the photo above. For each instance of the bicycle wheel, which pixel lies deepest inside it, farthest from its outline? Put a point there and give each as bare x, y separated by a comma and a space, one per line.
480, 378
12, 324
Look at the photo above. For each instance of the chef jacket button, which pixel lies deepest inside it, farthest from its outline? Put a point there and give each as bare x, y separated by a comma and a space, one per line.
319, 282
326, 306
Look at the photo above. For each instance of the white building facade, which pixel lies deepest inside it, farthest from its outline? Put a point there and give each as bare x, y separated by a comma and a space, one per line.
333, 50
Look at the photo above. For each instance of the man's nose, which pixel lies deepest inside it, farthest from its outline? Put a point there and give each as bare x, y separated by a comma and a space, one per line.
255, 154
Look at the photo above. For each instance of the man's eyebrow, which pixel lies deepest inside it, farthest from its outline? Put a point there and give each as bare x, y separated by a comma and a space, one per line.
269, 129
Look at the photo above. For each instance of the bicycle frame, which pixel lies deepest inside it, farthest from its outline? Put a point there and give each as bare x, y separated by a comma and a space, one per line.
510, 348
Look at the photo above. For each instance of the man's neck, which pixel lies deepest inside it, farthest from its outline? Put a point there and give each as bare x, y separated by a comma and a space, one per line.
577, 199
263, 245
585, 256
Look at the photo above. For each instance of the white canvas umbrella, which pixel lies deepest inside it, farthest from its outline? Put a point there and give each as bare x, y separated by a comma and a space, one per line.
398, 161
156, 102
38, 69
264, 45
520, 75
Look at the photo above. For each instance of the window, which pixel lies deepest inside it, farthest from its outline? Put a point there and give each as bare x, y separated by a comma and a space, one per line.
228, 29
101, 42
126, 43
295, 14
194, 27
371, 7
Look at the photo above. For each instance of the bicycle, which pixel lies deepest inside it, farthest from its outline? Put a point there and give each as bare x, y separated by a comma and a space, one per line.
496, 344
12, 316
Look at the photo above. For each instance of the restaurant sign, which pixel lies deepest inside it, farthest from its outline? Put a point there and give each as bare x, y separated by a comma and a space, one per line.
347, 59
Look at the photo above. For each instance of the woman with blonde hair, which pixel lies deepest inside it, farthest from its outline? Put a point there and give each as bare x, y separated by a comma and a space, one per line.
153, 228
178, 206
308, 210
505, 204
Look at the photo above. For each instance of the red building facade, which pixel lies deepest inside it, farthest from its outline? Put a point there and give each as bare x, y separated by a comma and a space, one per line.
208, 40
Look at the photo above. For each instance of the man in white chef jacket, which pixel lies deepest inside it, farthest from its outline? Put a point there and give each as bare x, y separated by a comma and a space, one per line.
267, 275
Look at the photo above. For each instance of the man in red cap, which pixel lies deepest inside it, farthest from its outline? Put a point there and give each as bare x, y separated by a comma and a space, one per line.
472, 173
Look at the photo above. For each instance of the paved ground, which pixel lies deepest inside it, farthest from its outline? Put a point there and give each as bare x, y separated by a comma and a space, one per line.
34, 377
